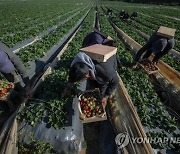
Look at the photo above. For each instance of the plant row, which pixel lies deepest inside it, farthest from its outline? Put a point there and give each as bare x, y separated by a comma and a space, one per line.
20, 35
17, 16
39, 49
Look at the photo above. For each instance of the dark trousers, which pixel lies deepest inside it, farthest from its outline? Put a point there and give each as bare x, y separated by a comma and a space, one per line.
147, 54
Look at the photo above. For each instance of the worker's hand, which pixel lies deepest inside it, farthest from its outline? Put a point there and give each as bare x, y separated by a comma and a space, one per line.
27, 91
123, 68
134, 66
104, 101
66, 92
154, 62
109, 38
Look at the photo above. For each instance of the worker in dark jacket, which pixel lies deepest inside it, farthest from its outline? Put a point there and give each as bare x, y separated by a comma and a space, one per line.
99, 75
103, 74
97, 37
121, 14
159, 45
9, 65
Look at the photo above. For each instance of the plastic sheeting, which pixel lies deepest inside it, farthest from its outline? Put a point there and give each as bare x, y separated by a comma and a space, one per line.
67, 140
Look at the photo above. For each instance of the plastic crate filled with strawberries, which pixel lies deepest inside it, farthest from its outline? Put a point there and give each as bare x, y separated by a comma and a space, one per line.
5, 88
149, 66
90, 104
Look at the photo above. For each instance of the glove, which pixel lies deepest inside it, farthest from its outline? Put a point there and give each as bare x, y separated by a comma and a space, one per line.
109, 38
66, 92
134, 66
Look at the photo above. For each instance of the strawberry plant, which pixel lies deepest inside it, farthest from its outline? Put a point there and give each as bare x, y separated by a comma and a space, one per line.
35, 147
28, 20
39, 48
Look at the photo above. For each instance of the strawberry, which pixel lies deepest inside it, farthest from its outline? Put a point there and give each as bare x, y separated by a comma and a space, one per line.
1, 95
4, 91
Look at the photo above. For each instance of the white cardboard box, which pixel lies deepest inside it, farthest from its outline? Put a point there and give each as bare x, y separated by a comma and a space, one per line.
98, 52
166, 32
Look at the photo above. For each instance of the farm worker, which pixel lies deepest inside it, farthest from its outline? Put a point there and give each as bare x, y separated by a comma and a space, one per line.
103, 75
9, 65
109, 12
98, 75
97, 37
158, 45
134, 15
124, 15
121, 14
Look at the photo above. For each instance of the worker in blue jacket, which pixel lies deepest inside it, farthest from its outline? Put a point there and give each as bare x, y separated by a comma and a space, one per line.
10, 65
97, 37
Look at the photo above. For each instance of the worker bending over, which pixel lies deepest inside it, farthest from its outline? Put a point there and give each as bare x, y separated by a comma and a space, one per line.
10, 65
159, 45
101, 75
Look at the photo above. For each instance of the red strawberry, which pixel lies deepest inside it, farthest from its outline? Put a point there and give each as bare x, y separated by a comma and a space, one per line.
4, 91
1, 95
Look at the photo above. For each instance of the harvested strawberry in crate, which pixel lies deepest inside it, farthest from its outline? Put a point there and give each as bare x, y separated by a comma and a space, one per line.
90, 107
5, 89
148, 66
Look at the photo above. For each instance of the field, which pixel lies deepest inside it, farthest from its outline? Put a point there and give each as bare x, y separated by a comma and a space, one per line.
39, 31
